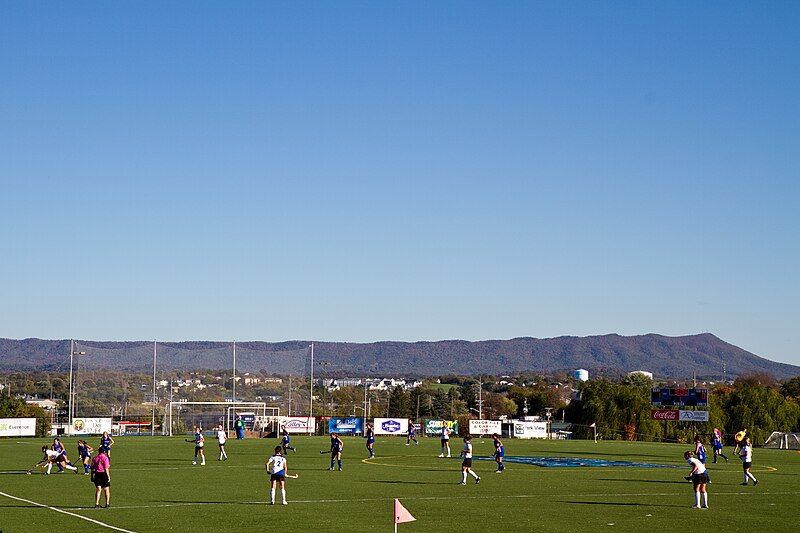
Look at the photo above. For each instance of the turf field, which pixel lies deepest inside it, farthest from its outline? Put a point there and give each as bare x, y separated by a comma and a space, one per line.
156, 488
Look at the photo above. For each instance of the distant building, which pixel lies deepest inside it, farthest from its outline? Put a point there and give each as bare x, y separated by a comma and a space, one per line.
580, 375
648, 375
46, 404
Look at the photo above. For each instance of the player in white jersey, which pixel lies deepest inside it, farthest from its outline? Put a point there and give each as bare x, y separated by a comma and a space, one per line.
445, 439
222, 437
277, 468
53, 457
466, 463
746, 455
699, 478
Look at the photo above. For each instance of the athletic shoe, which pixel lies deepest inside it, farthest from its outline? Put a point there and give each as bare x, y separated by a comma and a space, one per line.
755, 483
272, 503
285, 503
97, 506
441, 455
704, 507
203, 463
498, 471
696, 507
408, 444
331, 469
194, 462
448, 456
463, 483
743, 484
477, 480
340, 470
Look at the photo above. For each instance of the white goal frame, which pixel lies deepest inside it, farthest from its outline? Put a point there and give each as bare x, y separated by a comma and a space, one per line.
260, 408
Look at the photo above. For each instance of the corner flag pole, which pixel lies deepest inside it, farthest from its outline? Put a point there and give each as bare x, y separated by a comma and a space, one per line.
153, 422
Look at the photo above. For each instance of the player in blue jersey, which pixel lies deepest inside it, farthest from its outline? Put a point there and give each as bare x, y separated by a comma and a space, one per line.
412, 434
199, 441
336, 451
277, 468
59, 447
286, 441
370, 436
85, 455
106, 442
717, 445
499, 453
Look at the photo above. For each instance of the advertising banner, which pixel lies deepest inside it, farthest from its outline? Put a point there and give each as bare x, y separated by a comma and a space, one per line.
346, 426
298, 424
391, 426
433, 428
17, 427
664, 414
485, 427
694, 416
90, 426
530, 430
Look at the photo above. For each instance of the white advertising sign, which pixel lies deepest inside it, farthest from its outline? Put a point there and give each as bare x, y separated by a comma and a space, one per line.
299, 424
693, 416
90, 426
485, 427
17, 427
530, 430
391, 426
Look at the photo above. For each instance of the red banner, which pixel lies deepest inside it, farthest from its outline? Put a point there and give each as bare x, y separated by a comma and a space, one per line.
665, 414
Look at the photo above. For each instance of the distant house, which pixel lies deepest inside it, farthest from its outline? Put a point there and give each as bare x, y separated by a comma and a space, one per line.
46, 404
648, 375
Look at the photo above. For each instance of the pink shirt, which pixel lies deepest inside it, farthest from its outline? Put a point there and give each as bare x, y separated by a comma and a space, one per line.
100, 463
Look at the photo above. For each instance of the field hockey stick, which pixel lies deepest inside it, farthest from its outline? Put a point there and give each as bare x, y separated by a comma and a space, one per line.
293, 476
323, 452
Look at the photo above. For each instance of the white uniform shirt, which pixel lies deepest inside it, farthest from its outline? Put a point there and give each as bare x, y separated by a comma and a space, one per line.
221, 436
445, 433
697, 465
52, 454
277, 464
747, 454
467, 450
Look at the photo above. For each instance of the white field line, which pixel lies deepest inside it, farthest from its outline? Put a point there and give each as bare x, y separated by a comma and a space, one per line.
478, 497
93, 521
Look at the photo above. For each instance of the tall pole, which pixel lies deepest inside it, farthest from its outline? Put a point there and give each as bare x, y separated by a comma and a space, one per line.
480, 398
69, 399
364, 425
311, 401
234, 371
153, 421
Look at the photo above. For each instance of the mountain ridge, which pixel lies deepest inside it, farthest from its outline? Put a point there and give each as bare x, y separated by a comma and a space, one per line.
667, 357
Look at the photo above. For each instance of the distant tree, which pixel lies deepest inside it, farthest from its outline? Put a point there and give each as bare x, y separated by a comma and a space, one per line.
763, 379
791, 388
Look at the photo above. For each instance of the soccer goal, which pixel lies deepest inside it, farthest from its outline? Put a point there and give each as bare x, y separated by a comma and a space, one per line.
183, 417
783, 441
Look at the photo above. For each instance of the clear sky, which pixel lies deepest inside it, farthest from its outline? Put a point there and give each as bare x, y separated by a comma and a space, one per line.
400, 171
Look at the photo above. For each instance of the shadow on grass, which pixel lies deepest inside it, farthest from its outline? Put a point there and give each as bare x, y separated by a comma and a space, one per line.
628, 480
620, 504
396, 482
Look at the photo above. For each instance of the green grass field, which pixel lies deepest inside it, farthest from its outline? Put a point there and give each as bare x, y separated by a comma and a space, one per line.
156, 488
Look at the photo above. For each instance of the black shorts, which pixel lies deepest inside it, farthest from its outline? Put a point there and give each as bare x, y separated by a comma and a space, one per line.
277, 477
747, 465
198, 449
466, 463
100, 479
700, 479
445, 442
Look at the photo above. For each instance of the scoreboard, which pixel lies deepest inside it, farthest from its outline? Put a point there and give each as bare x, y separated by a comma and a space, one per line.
679, 397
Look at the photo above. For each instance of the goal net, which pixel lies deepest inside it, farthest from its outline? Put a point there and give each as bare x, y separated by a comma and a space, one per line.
138, 382
783, 441
183, 416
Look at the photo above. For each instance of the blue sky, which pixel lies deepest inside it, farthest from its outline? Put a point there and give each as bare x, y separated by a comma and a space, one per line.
372, 171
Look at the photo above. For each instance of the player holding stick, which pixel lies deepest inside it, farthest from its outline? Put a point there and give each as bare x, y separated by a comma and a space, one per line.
499, 453
199, 442
445, 439
699, 478
336, 451
278, 469
286, 441
746, 455
717, 443
370, 435
222, 437
466, 463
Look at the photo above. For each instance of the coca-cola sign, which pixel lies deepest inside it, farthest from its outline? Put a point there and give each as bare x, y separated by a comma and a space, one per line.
664, 414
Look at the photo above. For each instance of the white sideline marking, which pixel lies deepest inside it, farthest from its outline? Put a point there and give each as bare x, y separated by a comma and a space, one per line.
476, 497
56, 509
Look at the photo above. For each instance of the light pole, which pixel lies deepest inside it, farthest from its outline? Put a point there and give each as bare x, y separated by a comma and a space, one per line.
72, 353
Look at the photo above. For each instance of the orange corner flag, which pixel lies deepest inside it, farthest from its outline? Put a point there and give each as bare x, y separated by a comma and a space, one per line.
401, 514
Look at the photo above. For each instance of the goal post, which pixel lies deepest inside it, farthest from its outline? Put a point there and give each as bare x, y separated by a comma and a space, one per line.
185, 415
783, 441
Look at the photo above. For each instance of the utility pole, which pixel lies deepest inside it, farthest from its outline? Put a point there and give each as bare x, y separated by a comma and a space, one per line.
311, 395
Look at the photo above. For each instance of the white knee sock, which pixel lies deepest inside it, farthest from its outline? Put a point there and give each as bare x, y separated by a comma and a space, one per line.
49, 467
473, 474
463, 477
283, 495
697, 499
705, 499
751, 476
272, 495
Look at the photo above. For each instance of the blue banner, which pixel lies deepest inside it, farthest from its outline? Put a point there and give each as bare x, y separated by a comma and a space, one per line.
346, 426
